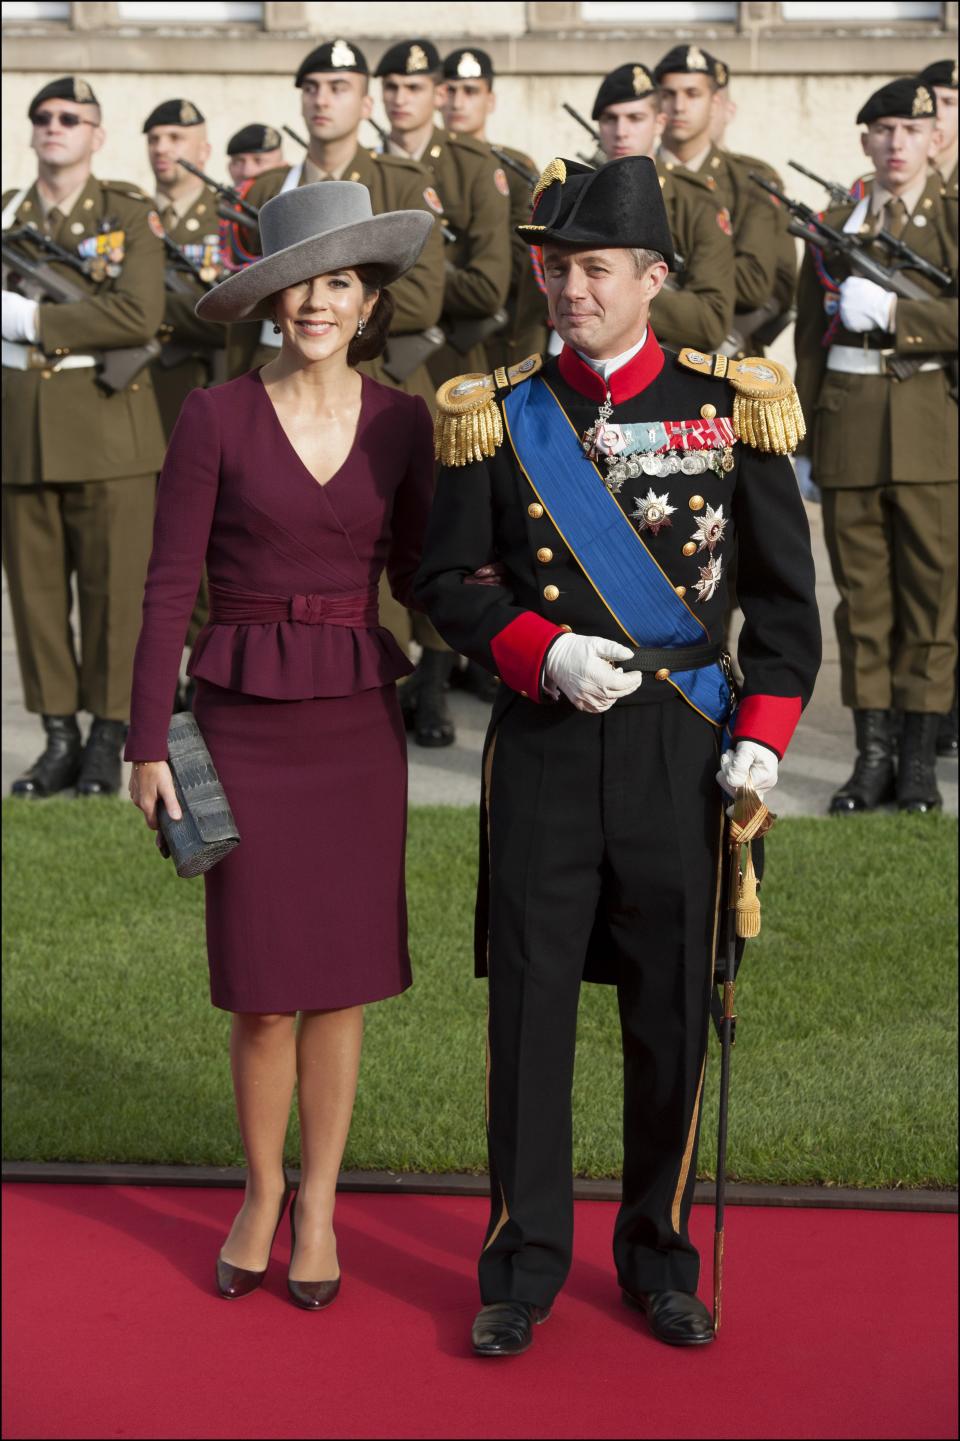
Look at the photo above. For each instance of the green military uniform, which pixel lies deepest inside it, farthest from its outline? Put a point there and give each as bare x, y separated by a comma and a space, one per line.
79, 464
193, 351
785, 274
696, 308
526, 330
395, 183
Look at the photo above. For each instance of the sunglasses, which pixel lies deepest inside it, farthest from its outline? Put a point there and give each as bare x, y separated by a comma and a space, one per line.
68, 119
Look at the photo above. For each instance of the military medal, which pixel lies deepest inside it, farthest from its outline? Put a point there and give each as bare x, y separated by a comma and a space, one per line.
706, 586
653, 512
710, 528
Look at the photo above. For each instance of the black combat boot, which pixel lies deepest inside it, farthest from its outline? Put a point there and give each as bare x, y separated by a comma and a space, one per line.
476, 681
59, 765
433, 724
947, 734
101, 770
917, 768
873, 781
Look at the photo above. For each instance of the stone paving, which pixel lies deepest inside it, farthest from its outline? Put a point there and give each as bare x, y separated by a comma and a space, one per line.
818, 761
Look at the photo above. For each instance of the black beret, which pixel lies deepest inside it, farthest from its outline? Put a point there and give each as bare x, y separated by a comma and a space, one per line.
173, 112
941, 72
468, 64
907, 99
68, 87
691, 59
254, 140
618, 206
627, 82
334, 55
410, 57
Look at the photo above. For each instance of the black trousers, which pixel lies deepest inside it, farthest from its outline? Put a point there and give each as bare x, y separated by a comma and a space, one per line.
604, 836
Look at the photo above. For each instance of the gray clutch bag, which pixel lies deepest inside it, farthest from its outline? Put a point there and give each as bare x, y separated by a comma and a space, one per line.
207, 831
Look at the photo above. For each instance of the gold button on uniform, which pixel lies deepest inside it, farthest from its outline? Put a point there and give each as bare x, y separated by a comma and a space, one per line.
708, 411
681, 590
550, 592
690, 548
662, 674
567, 628
696, 502
534, 511
544, 555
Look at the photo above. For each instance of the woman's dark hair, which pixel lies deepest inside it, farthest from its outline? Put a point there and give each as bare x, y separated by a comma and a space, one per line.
374, 338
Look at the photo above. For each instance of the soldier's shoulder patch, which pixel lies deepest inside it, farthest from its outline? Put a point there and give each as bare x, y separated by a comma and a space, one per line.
724, 221
468, 426
501, 182
156, 225
766, 407
433, 200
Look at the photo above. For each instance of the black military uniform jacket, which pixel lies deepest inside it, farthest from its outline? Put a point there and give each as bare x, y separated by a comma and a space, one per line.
486, 512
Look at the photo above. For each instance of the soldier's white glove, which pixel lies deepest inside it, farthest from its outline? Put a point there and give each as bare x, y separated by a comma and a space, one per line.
803, 466
748, 764
19, 317
866, 306
578, 666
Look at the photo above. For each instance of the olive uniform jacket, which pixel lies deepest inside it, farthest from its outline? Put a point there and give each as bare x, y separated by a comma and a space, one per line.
785, 277
852, 438
475, 205
60, 425
526, 330
191, 346
697, 308
394, 184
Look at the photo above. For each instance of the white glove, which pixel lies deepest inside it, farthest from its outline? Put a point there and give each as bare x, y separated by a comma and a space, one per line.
803, 466
577, 666
866, 306
748, 764
19, 317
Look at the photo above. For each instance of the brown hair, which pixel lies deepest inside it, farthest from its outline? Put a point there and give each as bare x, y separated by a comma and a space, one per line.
374, 338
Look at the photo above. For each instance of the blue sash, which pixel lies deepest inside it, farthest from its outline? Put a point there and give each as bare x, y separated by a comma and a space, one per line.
611, 554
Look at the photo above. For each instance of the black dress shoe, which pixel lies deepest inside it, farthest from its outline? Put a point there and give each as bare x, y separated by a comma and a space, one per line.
676, 1317
235, 1281
101, 767
505, 1328
873, 780
58, 766
311, 1295
917, 770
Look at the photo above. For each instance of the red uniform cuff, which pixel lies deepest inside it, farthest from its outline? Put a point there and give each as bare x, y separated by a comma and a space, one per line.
519, 649
770, 720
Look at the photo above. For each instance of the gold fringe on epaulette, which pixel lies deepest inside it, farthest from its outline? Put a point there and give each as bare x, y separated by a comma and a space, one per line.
774, 425
462, 439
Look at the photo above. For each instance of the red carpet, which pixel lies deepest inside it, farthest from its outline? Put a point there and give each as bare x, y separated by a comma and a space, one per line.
836, 1324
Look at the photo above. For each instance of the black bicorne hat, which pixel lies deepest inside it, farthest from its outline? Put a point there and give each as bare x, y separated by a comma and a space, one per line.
410, 57
619, 206
468, 64
627, 82
340, 55
691, 60
68, 87
907, 98
254, 140
173, 112
941, 72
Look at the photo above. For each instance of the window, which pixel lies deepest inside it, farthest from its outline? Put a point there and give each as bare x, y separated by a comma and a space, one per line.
866, 11
210, 12
31, 10
682, 12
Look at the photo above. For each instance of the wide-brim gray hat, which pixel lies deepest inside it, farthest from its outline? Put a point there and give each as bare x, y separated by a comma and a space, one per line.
312, 230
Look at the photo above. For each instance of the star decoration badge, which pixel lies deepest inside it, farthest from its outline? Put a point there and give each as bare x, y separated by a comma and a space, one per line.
653, 512
706, 586
710, 528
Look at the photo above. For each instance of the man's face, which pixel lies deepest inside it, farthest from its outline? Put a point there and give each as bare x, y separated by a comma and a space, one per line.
410, 101
898, 148
247, 167
57, 142
631, 127
597, 301
690, 103
167, 145
945, 130
467, 105
333, 105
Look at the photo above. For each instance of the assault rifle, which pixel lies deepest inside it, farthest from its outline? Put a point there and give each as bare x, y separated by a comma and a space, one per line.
594, 135
839, 194
294, 136
176, 281
235, 208
515, 166
116, 368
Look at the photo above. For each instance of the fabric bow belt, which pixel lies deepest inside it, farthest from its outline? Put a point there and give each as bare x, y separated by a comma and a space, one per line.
247, 607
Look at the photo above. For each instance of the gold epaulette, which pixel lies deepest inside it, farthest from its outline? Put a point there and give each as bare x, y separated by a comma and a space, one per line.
468, 426
766, 407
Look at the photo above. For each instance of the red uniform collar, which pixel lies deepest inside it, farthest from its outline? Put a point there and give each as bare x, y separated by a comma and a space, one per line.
626, 382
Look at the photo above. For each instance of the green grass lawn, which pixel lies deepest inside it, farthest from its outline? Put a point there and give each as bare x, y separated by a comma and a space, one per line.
844, 1070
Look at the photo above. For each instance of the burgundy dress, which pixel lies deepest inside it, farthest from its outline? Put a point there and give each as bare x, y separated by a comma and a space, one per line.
295, 686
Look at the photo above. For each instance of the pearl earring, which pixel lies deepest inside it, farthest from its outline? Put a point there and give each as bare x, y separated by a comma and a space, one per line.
360, 327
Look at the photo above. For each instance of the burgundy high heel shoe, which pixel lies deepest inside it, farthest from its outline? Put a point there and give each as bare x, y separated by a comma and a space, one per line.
234, 1281
311, 1295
